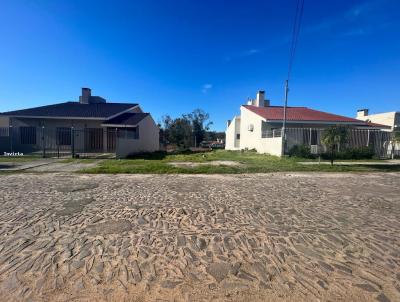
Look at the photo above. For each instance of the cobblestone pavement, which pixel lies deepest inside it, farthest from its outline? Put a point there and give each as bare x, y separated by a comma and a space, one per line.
260, 237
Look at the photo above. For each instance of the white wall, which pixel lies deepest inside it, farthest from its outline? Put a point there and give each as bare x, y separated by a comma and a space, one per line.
388, 118
231, 143
148, 139
250, 139
271, 145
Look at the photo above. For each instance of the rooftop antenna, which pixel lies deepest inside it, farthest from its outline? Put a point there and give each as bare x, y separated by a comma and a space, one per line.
295, 38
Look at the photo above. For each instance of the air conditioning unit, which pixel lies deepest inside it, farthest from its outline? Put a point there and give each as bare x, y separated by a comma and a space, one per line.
315, 149
250, 127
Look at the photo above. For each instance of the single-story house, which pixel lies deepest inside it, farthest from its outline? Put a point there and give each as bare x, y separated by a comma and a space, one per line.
259, 126
89, 125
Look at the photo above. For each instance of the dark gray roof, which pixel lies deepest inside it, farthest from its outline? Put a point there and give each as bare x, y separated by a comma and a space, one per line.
126, 118
73, 109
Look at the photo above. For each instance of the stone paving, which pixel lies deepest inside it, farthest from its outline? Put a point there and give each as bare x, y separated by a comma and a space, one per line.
260, 237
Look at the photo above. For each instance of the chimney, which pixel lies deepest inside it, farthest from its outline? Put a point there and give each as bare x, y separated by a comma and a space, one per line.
86, 95
361, 113
260, 100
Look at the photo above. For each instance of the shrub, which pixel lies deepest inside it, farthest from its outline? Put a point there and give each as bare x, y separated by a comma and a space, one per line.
303, 151
352, 153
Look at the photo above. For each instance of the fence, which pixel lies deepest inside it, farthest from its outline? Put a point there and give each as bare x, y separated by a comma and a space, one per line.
378, 140
60, 141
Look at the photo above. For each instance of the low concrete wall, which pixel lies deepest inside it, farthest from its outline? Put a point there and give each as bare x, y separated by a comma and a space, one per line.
271, 145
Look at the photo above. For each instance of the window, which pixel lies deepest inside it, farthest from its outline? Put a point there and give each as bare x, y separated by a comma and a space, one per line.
132, 133
129, 133
63, 136
238, 136
5, 131
27, 135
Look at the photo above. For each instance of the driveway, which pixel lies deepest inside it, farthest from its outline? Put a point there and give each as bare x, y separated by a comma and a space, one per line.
259, 237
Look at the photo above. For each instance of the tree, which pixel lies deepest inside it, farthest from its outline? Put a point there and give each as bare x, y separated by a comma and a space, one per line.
334, 137
187, 130
177, 131
198, 120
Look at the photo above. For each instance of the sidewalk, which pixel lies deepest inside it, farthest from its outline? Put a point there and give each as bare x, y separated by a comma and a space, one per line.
46, 165
391, 162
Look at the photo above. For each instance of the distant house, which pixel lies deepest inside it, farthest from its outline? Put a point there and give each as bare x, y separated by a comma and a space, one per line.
259, 126
391, 119
97, 126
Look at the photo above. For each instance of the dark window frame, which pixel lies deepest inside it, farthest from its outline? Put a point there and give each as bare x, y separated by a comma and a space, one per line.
132, 133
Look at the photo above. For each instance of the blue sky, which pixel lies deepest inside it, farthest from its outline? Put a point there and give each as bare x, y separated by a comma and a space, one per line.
175, 56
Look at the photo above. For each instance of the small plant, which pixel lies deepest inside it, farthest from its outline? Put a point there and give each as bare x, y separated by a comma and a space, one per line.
302, 151
333, 138
395, 140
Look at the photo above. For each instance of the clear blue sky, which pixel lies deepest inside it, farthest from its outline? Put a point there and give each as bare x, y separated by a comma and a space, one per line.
175, 56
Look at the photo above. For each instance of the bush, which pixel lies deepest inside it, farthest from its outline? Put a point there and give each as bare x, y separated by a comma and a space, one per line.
352, 153
303, 151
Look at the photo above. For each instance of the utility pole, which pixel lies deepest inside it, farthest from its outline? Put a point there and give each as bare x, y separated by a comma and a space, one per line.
283, 134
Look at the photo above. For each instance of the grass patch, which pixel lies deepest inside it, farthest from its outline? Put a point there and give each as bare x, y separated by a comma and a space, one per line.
78, 160
251, 162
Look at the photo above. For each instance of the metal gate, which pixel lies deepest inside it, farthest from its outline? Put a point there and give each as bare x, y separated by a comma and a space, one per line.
58, 141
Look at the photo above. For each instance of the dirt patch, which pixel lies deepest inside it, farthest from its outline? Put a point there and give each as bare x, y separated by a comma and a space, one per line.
77, 187
191, 164
110, 227
74, 206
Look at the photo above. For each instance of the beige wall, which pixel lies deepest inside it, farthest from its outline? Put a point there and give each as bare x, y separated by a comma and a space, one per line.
250, 139
4, 121
271, 145
388, 118
231, 143
148, 139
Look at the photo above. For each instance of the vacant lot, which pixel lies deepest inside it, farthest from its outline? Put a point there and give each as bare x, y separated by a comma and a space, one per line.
258, 237
222, 161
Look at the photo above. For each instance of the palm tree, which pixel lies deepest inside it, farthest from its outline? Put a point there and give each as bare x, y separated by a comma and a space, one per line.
333, 137
394, 140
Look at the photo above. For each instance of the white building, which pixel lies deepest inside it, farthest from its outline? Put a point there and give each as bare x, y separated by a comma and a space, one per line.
259, 126
391, 119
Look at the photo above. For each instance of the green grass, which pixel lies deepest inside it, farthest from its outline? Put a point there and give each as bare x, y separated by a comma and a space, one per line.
250, 162
78, 160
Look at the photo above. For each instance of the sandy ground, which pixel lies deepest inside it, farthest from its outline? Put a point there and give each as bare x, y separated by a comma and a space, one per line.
190, 164
260, 237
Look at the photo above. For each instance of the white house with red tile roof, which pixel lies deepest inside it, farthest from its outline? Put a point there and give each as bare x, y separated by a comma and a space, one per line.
259, 125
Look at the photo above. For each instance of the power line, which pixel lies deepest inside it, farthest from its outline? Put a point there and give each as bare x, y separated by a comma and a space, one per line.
295, 34
295, 38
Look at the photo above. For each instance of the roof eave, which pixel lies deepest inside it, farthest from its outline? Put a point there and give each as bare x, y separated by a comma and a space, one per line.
57, 117
119, 126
